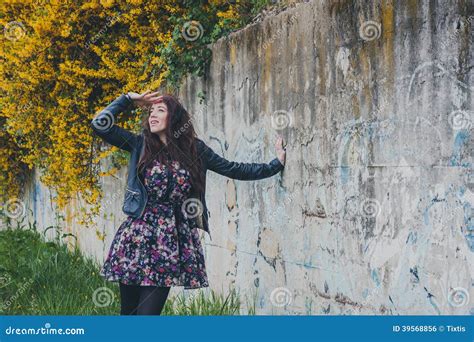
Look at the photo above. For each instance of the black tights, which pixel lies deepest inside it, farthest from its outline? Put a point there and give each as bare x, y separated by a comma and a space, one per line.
142, 300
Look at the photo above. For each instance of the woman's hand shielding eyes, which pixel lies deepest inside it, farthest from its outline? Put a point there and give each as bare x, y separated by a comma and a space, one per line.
146, 99
280, 150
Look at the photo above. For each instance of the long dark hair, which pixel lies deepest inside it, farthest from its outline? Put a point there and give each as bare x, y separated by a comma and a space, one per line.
181, 142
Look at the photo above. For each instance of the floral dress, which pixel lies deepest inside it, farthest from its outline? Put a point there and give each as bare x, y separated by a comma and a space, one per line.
162, 247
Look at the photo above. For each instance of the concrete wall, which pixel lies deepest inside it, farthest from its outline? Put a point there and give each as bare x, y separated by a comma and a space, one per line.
373, 213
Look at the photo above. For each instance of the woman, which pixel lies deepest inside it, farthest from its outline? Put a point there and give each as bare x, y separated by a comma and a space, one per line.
158, 245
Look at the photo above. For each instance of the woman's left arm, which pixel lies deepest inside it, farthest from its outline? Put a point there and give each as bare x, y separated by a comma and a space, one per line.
245, 171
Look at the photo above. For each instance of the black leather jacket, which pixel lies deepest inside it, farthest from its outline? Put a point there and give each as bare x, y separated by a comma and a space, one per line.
136, 196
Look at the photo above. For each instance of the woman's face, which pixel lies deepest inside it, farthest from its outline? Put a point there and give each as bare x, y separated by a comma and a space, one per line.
158, 118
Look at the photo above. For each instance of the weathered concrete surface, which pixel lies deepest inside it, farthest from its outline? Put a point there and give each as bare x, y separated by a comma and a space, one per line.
373, 212
94, 241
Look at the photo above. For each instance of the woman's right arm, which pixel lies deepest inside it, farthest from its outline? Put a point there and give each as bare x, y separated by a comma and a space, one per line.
104, 125
238, 170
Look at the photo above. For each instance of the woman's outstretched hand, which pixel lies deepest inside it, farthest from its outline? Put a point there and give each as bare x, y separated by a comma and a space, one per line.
146, 99
280, 150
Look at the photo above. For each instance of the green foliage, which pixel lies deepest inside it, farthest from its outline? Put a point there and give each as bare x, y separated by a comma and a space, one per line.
193, 56
39, 277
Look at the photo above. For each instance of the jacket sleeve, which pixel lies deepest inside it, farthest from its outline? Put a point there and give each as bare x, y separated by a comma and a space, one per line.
237, 170
104, 125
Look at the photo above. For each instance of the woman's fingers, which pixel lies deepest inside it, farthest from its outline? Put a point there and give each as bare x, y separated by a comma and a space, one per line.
279, 142
143, 95
279, 145
154, 99
150, 95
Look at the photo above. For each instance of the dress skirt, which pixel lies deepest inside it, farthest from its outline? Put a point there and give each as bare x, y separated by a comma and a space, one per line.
162, 247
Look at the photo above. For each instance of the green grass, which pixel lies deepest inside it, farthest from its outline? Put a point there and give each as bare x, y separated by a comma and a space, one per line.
39, 277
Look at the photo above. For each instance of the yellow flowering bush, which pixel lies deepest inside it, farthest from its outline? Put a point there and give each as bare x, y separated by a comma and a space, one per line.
62, 61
